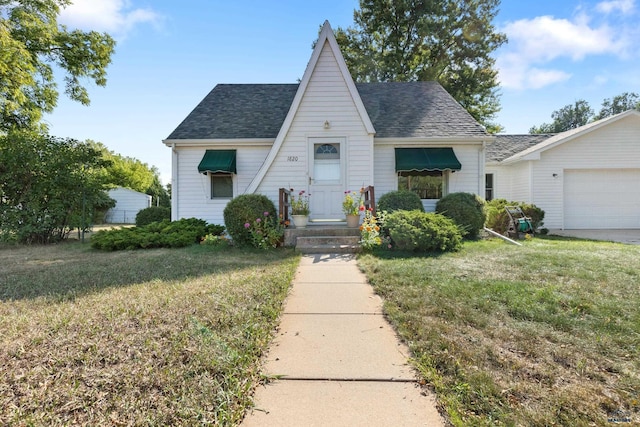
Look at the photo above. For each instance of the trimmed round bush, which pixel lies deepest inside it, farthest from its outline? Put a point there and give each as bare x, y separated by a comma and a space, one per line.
466, 210
152, 214
242, 210
399, 200
423, 231
498, 219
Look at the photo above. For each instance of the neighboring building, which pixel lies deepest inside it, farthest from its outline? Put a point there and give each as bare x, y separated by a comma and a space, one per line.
325, 135
128, 204
585, 178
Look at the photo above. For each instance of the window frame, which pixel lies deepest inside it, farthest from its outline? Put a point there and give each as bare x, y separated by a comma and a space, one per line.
444, 175
213, 177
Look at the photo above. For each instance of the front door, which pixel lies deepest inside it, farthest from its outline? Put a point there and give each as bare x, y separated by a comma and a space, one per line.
326, 174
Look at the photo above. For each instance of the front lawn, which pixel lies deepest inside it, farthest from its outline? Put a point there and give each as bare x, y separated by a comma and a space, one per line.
544, 334
157, 337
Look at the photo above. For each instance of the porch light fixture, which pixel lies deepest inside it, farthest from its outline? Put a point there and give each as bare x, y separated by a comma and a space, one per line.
327, 124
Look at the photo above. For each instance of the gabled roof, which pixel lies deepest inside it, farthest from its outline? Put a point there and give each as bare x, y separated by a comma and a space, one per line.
505, 146
244, 111
416, 110
397, 110
560, 138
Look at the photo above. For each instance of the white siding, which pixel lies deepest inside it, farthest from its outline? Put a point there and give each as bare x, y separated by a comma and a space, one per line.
194, 189
327, 98
128, 204
614, 146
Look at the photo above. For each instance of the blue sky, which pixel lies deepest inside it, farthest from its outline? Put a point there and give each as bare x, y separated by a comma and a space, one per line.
171, 54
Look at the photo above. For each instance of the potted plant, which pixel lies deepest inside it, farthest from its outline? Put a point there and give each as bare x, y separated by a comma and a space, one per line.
300, 208
351, 206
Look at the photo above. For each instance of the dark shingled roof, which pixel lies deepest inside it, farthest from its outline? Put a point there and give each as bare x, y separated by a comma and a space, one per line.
505, 146
400, 110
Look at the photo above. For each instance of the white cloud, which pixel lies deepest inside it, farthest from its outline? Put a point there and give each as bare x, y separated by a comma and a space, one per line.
116, 17
535, 43
623, 6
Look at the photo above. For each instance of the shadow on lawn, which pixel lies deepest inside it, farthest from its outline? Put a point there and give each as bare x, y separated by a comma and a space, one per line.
69, 270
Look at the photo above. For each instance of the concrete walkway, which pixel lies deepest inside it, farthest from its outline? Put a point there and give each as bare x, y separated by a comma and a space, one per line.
338, 361
629, 236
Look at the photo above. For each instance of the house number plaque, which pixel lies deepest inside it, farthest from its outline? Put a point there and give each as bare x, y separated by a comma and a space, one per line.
292, 158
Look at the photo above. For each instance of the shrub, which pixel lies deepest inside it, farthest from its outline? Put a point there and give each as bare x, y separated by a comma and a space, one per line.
266, 231
152, 214
245, 209
466, 210
423, 232
498, 219
163, 234
399, 200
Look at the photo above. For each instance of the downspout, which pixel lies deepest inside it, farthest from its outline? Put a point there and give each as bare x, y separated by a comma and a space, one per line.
481, 170
174, 183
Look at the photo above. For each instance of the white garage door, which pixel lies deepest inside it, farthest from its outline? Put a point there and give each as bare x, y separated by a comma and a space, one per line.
602, 198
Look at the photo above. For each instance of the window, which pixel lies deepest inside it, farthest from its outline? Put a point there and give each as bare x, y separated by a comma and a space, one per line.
488, 187
427, 185
221, 185
326, 162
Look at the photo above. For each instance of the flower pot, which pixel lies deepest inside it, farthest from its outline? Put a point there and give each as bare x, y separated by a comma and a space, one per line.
300, 221
353, 221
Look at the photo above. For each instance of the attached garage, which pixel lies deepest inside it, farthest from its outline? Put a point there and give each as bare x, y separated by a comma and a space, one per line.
602, 199
584, 178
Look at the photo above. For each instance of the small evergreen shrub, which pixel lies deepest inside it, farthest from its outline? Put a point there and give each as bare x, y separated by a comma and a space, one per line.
466, 210
163, 234
498, 219
399, 200
152, 214
245, 209
423, 232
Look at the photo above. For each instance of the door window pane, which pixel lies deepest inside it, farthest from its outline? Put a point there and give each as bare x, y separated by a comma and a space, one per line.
326, 162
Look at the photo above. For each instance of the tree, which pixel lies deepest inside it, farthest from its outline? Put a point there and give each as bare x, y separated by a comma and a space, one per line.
132, 173
568, 117
449, 41
619, 104
48, 186
32, 44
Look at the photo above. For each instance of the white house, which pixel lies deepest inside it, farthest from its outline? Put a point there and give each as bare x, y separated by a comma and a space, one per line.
128, 204
585, 178
325, 135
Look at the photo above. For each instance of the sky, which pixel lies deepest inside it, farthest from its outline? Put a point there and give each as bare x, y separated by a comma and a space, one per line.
170, 54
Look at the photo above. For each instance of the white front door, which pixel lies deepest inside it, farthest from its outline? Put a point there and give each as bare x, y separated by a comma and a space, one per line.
326, 173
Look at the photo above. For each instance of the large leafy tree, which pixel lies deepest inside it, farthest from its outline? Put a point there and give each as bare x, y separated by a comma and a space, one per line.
32, 45
619, 104
48, 186
129, 172
568, 117
580, 113
449, 41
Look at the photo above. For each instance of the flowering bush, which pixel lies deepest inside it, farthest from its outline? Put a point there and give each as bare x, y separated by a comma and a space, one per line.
300, 204
370, 230
266, 232
352, 202
215, 240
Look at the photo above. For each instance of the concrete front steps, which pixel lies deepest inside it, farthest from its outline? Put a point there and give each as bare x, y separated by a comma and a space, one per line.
323, 237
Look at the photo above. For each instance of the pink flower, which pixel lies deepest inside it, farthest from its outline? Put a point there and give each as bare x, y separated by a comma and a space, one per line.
265, 213
247, 225
258, 220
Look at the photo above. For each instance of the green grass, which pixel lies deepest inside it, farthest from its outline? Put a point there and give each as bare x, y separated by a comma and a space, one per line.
544, 334
158, 337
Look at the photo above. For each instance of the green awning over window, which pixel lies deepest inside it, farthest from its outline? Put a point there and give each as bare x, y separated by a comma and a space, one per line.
218, 161
426, 159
